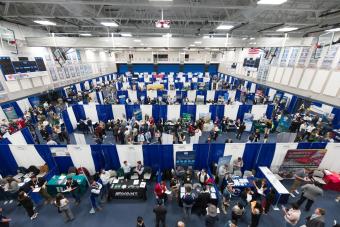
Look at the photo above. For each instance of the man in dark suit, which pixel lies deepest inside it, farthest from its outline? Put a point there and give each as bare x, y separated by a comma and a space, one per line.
317, 219
160, 212
202, 201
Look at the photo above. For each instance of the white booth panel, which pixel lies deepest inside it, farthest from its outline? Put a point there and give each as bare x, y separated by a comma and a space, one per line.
13, 85
26, 83
286, 75
258, 111
307, 78
37, 82
271, 74
333, 84
297, 73
46, 80
278, 75
319, 81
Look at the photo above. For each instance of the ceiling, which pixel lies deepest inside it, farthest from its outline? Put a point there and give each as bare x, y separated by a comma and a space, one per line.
188, 17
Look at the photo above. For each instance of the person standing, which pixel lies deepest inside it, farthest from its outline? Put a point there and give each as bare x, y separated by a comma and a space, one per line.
160, 212
203, 200
188, 202
310, 192
95, 192
240, 131
269, 200
73, 187
299, 178
236, 212
211, 217
127, 170
104, 178
27, 203
256, 212
292, 215
317, 219
63, 206
237, 164
4, 221
140, 222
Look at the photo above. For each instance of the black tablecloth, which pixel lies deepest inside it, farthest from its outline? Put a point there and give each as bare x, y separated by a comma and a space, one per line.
130, 192
195, 207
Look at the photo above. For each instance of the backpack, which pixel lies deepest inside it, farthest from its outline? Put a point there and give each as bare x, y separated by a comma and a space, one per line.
188, 199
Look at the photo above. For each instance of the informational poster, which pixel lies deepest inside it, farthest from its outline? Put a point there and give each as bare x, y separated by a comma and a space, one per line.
61, 73
302, 158
315, 57
59, 151
10, 113
52, 72
185, 158
303, 56
276, 57
329, 57
284, 58
293, 56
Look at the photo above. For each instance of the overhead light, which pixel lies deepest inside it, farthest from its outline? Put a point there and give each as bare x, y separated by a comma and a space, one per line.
137, 40
168, 35
206, 37
142, 44
286, 29
271, 2
126, 34
245, 38
333, 30
44, 22
252, 38
192, 45
85, 34
110, 24
198, 42
224, 27
252, 43
183, 53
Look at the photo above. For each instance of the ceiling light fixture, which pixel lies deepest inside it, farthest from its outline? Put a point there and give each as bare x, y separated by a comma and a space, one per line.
333, 30
45, 22
137, 40
126, 34
168, 35
198, 42
206, 37
286, 29
252, 38
85, 34
110, 24
245, 38
224, 27
192, 45
271, 2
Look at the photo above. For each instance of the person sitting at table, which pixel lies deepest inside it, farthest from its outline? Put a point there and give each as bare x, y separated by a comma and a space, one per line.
40, 183
203, 177
203, 200
11, 188
160, 189
127, 170
139, 169
73, 187
95, 192
237, 164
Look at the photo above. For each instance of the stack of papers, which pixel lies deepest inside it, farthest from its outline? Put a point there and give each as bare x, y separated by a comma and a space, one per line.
135, 182
142, 184
213, 196
115, 181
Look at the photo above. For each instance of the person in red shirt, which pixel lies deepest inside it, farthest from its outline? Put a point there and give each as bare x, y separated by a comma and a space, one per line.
160, 189
21, 123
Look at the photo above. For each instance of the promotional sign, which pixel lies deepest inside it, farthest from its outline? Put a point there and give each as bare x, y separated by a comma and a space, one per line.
185, 158
303, 158
10, 113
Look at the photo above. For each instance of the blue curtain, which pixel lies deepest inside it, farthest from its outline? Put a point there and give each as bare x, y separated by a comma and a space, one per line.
104, 112
201, 156
167, 68
130, 109
189, 109
4, 141
27, 135
292, 104
8, 164
122, 68
63, 162
152, 155
111, 157
98, 158
178, 85
159, 111
167, 157
35, 100
216, 111
238, 95
269, 112
194, 68
141, 93
249, 156
265, 155
213, 68
119, 93
216, 151
305, 145
67, 121
336, 120
45, 153
242, 110
141, 68
79, 112
219, 93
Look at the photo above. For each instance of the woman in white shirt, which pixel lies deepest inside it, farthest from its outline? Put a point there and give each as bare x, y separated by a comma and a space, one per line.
63, 207
292, 215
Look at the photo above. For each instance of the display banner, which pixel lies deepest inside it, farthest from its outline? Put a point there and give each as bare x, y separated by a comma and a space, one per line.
185, 158
302, 158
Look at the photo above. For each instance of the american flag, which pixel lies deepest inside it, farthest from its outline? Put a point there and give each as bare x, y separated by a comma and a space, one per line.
254, 51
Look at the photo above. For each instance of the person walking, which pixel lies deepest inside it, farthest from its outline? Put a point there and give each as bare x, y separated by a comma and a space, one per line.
63, 207
256, 212
310, 192
188, 202
27, 203
292, 215
160, 212
211, 217
317, 219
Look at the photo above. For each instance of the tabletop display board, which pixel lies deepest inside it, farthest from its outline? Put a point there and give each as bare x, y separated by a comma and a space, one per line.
185, 158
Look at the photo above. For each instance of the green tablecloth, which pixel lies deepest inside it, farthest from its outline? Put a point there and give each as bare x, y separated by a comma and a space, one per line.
260, 126
57, 184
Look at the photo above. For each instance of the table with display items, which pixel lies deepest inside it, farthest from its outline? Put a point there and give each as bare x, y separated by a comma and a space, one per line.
195, 192
127, 189
58, 184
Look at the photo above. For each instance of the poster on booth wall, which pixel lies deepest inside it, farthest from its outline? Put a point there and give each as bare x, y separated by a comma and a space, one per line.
303, 56
296, 159
185, 158
293, 56
10, 113
225, 160
328, 59
248, 121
